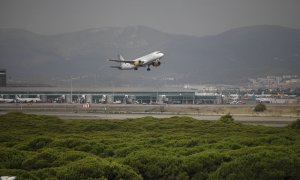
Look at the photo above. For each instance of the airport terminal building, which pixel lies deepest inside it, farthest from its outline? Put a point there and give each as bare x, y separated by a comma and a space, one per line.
2, 78
112, 95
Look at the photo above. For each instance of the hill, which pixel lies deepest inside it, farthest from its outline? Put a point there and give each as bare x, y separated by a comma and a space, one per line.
229, 57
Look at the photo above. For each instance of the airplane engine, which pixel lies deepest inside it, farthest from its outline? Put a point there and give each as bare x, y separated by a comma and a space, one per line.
156, 63
137, 62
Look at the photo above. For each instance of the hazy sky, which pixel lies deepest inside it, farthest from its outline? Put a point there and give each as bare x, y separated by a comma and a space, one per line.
193, 17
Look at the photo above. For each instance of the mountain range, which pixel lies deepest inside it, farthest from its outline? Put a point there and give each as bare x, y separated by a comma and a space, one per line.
229, 58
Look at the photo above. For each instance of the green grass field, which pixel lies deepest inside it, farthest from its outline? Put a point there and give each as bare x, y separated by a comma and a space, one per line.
45, 147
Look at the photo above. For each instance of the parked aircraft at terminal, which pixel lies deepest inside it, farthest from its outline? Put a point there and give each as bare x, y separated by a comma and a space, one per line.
27, 100
147, 60
6, 100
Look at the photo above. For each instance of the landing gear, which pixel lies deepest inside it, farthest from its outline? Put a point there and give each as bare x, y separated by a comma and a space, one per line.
135, 68
148, 69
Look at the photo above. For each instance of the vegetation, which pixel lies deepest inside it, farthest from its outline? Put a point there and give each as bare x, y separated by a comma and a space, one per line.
260, 107
295, 124
226, 118
46, 147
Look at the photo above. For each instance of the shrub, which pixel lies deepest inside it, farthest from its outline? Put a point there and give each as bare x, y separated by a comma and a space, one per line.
295, 124
260, 107
72, 156
45, 159
71, 143
45, 173
18, 173
162, 108
263, 164
152, 165
11, 158
199, 166
226, 118
38, 143
149, 148
96, 168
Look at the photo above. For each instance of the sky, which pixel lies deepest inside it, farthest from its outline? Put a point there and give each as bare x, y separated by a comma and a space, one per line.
190, 17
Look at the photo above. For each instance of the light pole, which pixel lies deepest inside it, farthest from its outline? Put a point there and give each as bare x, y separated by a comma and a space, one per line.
181, 99
72, 89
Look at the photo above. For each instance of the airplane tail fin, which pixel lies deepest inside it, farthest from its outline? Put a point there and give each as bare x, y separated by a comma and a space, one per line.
119, 60
120, 57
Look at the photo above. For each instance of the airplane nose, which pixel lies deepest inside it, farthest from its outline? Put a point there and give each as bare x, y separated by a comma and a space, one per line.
162, 54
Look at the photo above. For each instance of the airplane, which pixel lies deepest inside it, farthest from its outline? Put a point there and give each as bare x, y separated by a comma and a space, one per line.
147, 60
27, 100
5, 100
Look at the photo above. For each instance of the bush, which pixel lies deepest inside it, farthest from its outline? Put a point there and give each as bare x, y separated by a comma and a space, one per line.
96, 168
72, 156
263, 164
38, 143
71, 143
149, 148
152, 165
47, 158
260, 107
18, 173
199, 166
11, 158
295, 124
226, 118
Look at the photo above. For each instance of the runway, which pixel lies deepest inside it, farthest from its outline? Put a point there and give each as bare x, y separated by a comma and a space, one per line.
121, 111
241, 113
257, 120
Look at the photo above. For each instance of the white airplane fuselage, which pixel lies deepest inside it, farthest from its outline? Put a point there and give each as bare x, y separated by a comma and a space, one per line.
127, 66
4, 100
27, 100
147, 60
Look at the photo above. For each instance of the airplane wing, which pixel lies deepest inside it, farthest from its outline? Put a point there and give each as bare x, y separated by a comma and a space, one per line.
121, 61
133, 62
118, 67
